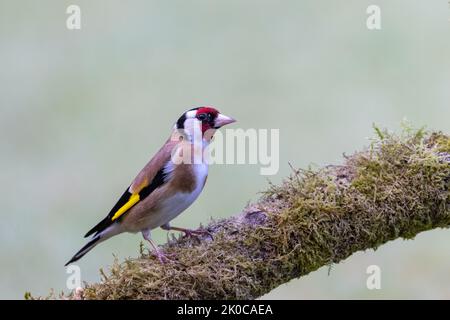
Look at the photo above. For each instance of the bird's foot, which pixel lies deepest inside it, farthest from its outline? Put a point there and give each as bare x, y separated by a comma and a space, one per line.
189, 232
162, 257
198, 232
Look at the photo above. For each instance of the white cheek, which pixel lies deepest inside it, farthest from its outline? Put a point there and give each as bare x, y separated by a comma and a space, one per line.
191, 114
193, 130
192, 123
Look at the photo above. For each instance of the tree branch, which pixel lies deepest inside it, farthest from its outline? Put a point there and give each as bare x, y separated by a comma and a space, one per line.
396, 188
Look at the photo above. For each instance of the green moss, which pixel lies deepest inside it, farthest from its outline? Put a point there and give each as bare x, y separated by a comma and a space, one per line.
440, 141
397, 188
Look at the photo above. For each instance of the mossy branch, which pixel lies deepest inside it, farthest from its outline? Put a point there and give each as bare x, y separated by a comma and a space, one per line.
396, 188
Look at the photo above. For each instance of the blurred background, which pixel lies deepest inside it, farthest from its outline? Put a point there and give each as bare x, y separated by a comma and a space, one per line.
83, 110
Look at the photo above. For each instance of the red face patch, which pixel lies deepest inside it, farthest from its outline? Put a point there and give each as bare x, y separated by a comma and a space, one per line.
207, 115
207, 109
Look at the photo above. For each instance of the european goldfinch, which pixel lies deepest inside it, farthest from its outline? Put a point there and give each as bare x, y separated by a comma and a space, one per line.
166, 186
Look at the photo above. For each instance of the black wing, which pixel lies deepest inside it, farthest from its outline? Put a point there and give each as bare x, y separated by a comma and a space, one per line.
157, 181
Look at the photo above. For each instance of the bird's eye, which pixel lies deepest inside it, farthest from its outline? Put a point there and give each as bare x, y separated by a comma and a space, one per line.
201, 117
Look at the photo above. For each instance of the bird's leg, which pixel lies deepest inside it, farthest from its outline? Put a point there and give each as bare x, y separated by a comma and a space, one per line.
161, 257
187, 232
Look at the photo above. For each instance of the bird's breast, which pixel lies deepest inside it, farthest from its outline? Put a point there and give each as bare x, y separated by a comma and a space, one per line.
186, 184
189, 183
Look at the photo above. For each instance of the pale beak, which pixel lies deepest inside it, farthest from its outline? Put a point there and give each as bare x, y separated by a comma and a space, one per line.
222, 120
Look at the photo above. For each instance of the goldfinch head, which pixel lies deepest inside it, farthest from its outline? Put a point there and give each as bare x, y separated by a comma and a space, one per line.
205, 118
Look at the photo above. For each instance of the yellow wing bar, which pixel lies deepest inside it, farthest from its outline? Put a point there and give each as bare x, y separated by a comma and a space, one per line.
131, 202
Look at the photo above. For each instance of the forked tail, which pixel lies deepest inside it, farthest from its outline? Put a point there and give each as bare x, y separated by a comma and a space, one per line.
90, 245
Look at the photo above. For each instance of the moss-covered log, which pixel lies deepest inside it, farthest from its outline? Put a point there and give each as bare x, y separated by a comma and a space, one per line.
397, 187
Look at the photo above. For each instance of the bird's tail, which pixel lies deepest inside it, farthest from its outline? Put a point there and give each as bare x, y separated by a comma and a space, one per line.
112, 230
88, 247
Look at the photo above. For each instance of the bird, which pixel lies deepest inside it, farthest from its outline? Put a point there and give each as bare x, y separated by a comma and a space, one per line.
167, 185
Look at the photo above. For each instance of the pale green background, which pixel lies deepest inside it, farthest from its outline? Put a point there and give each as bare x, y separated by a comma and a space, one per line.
82, 112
